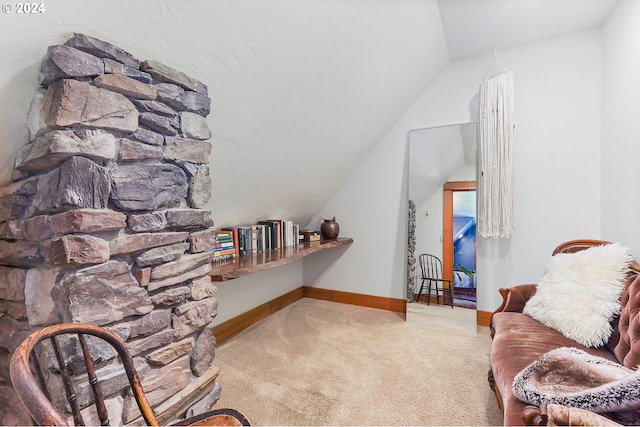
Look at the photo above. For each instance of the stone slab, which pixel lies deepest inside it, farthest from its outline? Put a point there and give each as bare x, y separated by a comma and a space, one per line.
102, 49
164, 73
53, 148
73, 103
87, 221
65, 62
102, 294
189, 150
127, 86
136, 242
77, 183
148, 186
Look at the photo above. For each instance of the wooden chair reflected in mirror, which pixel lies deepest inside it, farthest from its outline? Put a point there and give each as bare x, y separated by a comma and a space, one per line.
71, 355
431, 275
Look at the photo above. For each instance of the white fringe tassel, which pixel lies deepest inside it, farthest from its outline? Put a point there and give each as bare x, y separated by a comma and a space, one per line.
495, 185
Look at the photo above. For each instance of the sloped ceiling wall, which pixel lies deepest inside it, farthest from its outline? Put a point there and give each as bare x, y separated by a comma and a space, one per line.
301, 90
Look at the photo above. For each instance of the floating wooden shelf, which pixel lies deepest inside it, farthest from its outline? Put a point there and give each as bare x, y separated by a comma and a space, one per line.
249, 264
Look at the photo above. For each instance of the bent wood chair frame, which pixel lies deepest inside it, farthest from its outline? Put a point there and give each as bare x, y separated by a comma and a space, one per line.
28, 379
34, 393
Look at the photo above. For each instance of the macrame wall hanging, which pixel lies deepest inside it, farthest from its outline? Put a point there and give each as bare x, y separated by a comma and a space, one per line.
495, 183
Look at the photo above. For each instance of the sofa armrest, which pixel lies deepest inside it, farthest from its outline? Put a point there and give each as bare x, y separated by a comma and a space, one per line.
513, 299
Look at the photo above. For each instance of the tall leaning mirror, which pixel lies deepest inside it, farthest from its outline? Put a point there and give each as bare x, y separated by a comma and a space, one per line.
442, 213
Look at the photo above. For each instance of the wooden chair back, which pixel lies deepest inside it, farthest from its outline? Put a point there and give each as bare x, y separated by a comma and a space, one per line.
581, 244
430, 267
28, 376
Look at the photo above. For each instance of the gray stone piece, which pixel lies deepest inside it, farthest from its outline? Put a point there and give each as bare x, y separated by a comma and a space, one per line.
112, 379
183, 100
114, 407
168, 93
193, 316
150, 342
189, 219
148, 137
206, 403
133, 150
164, 73
19, 253
203, 287
171, 296
12, 283
16, 201
204, 351
13, 332
162, 254
136, 74
193, 126
129, 243
184, 264
154, 221
17, 310
77, 183
102, 49
74, 103
150, 323
87, 221
159, 385
180, 278
156, 107
189, 150
200, 187
204, 240
162, 124
115, 67
76, 250
171, 352
53, 148
101, 294
148, 186
35, 117
126, 85
35, 229
64, 62
39, 283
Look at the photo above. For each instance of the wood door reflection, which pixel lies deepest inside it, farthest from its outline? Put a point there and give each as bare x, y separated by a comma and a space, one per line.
447, 222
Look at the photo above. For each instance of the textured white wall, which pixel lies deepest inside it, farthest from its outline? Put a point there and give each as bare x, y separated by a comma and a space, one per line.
301, 91
557, 170
620, 130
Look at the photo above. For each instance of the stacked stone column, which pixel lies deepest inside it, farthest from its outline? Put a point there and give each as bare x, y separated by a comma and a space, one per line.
411, 249
104, 222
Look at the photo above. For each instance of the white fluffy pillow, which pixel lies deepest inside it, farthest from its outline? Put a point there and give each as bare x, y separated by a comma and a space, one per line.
580, 292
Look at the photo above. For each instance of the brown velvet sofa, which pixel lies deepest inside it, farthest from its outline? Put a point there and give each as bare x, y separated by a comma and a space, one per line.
518, 340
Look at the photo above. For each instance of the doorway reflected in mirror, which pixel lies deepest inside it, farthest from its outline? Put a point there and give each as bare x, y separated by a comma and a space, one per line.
441, 183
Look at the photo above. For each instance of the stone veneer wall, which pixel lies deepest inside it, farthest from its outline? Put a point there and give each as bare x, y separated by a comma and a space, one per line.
103, 222
411, 249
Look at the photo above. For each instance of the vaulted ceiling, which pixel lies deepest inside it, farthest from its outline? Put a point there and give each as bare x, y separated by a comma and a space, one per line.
302, 91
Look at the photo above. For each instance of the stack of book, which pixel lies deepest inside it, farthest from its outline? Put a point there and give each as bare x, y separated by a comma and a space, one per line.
310, 235
225, 246
265, 235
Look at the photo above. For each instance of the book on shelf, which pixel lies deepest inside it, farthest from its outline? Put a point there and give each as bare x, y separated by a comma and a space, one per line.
225, 245
263, 236
220, 258
274, 227
310, 235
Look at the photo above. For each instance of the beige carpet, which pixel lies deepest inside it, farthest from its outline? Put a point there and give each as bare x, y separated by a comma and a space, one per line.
324, 363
